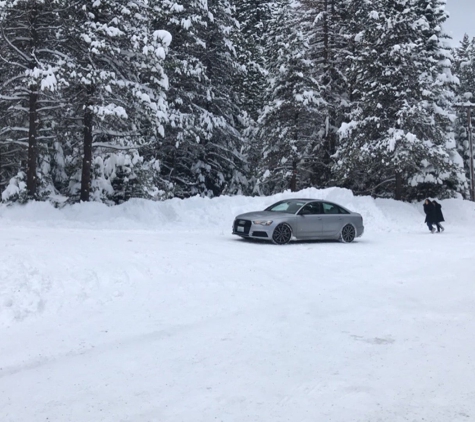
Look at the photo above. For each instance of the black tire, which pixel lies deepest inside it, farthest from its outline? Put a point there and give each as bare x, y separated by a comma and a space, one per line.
282, 234
348, 234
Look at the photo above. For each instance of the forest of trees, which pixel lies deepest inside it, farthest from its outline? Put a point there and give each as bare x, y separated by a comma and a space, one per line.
107, 100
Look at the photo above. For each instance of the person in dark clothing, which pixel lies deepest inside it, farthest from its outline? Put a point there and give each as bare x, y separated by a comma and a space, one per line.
438, 216
429, 210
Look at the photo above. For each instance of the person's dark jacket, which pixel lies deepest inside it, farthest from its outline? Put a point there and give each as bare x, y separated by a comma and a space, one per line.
429, 209
438, 216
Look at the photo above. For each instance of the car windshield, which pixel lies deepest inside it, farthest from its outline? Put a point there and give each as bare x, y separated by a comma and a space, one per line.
290, 207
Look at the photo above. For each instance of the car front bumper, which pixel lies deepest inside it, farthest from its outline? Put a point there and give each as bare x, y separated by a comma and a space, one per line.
246, 228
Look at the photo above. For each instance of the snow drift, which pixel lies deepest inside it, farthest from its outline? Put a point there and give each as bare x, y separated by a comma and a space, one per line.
202, 213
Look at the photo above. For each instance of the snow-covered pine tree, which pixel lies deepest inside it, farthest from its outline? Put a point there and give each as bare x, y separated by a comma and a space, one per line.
323, 22
290, 121
117, 83
201, 153
121, 175
30, 64
254, 18
223, 151
397, 140
186, 21
464, 69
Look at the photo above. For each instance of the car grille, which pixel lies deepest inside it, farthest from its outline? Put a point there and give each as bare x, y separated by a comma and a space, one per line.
259, 234
246, 224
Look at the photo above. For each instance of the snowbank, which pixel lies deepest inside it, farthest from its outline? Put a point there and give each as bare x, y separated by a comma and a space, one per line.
204, 213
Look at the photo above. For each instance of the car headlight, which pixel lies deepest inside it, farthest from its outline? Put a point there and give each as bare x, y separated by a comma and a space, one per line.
263, 222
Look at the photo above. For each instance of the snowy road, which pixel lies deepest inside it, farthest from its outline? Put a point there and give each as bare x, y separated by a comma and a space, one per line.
195, 325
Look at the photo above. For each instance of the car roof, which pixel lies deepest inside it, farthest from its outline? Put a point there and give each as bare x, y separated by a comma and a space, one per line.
302, 199
307, 200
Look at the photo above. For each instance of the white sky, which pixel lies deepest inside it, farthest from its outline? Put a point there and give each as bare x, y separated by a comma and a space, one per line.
462, 19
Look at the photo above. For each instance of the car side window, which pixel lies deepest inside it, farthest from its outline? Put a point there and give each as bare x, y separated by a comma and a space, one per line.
311, 209
341, 210
332, 209
293, 208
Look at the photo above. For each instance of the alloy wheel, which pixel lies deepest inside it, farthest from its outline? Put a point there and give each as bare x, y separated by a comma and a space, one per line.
282, 234
348, 234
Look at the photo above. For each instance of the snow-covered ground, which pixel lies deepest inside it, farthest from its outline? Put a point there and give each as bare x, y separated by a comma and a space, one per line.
155, 312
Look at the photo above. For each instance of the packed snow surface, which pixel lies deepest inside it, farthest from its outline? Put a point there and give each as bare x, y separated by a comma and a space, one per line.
154, 312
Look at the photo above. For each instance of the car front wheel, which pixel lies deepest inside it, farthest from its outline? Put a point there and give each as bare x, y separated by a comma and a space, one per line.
348, 234
282, 234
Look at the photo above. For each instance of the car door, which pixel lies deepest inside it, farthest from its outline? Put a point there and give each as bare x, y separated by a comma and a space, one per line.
332, 219
309, 220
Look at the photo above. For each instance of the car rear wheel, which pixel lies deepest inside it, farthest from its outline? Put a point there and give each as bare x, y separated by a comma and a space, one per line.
348, 234
282, 234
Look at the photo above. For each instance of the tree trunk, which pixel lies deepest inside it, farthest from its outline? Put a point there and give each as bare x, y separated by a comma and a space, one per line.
329, 142
326, 52
398, 190
87, 157
293, 180
31, 180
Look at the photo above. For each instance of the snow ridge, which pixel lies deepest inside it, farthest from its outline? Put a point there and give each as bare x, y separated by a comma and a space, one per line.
199, 213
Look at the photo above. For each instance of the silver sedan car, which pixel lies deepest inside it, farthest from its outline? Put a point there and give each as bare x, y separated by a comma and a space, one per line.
300, 219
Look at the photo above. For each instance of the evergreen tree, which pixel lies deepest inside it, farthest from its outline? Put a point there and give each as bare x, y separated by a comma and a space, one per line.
397, 140
30, 64
261, 96
202, 152
324, 22
291, 121
464, 69
117, 83
254, 17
